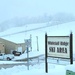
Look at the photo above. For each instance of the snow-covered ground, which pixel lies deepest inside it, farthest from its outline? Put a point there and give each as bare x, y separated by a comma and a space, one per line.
38, 69
31, 55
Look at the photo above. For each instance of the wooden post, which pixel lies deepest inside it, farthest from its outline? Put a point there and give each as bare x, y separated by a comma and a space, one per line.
46, 65
71, 48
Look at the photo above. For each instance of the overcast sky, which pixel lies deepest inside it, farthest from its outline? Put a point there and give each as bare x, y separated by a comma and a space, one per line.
21, 8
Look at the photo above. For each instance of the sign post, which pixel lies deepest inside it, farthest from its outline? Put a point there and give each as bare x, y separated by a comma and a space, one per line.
46, 64
27, 58
58, 47
28, 44
71, 48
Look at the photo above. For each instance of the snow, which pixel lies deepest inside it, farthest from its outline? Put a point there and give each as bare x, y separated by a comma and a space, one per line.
39, 68
10, 62
31, 54
55, 30
71, 68
41, 71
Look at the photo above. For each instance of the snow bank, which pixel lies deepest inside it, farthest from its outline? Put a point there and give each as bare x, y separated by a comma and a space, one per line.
71, 67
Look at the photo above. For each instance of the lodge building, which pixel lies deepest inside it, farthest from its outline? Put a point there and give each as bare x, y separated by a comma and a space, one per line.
7, 46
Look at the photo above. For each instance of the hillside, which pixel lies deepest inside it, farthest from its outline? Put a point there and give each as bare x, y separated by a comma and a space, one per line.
57, 18
21, 33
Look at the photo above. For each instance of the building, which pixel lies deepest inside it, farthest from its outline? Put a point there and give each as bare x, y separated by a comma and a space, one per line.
2, 48
20, 47
11, 46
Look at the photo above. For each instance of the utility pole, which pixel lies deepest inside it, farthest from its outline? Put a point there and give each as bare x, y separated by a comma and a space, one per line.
37, 43
31, 42
27, 51
27, 58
